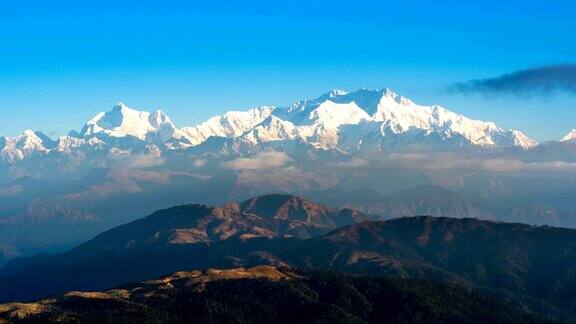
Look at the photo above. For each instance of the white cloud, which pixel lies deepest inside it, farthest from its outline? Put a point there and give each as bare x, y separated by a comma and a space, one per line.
138, 161
353, 163
266, 160
198, 163
451, 161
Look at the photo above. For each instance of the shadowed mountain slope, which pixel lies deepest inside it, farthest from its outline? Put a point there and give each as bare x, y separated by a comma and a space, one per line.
530, 266
265, 216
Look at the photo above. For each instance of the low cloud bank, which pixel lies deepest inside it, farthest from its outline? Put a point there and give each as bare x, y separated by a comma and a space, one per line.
455, 162
266, 160
353, 163
451, 161
138, 161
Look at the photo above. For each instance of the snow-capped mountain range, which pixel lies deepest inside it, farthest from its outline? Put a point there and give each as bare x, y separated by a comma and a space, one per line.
353, 122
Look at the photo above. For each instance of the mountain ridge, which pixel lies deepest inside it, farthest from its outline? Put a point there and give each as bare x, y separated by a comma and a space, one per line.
527, 265
265, 294
267, 216
377, 119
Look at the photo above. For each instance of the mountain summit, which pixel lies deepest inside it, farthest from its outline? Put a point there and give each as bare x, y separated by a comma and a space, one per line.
389, 120
123, 121
24, 145
571, 136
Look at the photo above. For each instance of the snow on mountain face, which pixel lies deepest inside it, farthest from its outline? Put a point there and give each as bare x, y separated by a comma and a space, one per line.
230, 124
29, 142
396, 120
331, 115
571, 136
321, 126
315, 123
272, 129
69, 143
122, 121
360, 120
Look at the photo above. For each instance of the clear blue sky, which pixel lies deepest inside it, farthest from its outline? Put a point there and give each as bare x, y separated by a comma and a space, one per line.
63, 61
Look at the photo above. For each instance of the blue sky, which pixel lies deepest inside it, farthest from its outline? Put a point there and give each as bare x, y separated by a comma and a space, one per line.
61, 62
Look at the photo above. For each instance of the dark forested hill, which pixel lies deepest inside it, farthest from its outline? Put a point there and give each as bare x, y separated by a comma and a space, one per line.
266, 294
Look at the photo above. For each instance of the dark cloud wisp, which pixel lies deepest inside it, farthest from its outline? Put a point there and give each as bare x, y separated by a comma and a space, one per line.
525, 83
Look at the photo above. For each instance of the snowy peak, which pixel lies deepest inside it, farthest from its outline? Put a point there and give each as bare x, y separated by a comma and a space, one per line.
272, 129
391, 95
331, 115
29, 142
522, 140
230, 124
367, 99
571, 136
123, 121
332, 94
